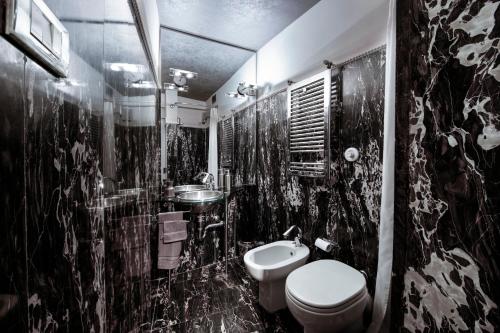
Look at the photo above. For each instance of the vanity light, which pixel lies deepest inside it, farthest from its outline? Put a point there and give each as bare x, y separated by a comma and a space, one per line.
247, 85
142, 84
233, 94
243, 90
247, 89
173, 86
182, 73
69, 83
169, 86
124, 67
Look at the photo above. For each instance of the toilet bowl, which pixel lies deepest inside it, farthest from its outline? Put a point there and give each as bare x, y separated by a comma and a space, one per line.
327, 296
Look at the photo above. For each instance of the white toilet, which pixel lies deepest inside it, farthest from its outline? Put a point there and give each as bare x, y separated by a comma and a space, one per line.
327, 296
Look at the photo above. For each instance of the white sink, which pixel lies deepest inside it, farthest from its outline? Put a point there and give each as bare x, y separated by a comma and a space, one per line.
270, 264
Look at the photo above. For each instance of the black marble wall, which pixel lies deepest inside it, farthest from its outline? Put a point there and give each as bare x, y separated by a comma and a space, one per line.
187, 153
71, 241
245, 162
13, 290
347, 212
447, 159
242, 211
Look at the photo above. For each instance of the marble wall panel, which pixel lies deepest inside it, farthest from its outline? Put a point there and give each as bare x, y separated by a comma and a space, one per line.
187, 153
58, 226
346, 212
245, 163
12, 221
448, 102
64, 242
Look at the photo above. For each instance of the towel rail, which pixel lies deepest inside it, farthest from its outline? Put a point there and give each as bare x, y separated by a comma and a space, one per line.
308, 124
309, 107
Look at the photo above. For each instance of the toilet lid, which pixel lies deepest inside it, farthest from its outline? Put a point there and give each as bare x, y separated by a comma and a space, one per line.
325, 283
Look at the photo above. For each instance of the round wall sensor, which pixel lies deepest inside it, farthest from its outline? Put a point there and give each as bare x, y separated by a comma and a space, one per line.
351, 154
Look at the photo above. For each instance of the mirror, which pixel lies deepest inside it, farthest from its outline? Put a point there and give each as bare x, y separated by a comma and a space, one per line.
208, 84
130, 112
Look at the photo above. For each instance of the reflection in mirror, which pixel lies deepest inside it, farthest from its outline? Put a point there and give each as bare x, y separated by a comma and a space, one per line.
206, 83
129, 102
129, 165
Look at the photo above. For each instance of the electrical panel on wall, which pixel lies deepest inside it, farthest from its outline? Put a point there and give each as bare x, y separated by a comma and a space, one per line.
227, 143
36, 29
309, 105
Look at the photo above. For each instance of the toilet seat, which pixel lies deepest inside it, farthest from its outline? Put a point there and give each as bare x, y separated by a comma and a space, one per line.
327, 311
325, 286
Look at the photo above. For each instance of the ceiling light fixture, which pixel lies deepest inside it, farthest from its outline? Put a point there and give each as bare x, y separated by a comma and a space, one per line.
233, 94
182, 73
173, 86
141, 84
243, 90
69, 83
124, 67
169, 86
247, 89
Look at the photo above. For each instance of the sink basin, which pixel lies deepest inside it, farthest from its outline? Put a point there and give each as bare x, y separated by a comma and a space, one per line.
270, 264
200, 197
189, 188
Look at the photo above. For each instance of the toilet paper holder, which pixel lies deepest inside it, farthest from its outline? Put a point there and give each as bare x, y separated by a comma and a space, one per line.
326, 245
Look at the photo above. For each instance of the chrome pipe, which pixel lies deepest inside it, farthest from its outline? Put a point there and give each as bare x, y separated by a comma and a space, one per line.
225, 229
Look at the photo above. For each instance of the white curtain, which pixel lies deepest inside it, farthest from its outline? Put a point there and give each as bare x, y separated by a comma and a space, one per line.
386, 229
212, 144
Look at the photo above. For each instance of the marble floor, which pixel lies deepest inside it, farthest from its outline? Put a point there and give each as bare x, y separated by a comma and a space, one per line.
204, 300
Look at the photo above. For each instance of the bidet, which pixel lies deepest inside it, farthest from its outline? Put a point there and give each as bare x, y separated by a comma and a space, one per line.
270, 264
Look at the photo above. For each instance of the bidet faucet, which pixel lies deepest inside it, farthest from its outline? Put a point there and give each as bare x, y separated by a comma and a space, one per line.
297, 239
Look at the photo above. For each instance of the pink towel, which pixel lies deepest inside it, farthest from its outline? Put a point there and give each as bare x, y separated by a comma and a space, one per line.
173, 231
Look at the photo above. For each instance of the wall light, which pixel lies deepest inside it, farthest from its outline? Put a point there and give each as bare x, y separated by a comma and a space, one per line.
182, 73
141, 84
173, 86
247, 89
124, 67
69, 83
233, 94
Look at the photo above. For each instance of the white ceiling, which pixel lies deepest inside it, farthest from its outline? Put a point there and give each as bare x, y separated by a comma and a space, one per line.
248, 23
214, 62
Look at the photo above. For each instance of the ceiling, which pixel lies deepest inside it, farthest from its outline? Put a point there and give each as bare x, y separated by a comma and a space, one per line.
248, 24
214, 62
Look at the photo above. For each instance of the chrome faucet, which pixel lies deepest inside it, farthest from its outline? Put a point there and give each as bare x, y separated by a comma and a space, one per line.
297, 239
206, 178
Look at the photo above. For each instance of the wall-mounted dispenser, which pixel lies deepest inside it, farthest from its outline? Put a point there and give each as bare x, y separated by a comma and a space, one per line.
351, 154
35, 28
